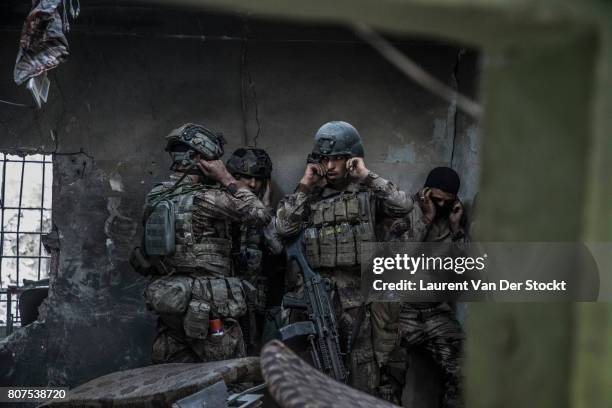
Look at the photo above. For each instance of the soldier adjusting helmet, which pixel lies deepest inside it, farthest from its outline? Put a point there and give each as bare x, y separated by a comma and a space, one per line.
188, 140
337, 138
250, 162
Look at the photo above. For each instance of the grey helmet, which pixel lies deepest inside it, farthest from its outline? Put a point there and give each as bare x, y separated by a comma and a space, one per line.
337, 138
184, 142
250, 162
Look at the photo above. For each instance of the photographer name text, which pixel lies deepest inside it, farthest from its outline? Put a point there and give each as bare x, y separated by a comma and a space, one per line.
469, 285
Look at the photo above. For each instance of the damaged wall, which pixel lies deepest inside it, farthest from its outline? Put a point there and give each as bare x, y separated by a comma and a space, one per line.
133, 75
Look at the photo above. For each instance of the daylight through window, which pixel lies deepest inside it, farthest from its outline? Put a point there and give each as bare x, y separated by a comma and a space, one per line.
25, 204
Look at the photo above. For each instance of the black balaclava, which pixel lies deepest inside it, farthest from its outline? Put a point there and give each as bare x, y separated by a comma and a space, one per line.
443, 178
447, 180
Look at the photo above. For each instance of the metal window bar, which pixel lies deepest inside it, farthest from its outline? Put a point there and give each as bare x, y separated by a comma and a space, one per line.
2, 199
26, 208
27, 160
42, 204
26, 256
19, 215
11, 294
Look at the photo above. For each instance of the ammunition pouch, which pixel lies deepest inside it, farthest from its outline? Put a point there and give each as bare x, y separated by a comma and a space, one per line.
169, 294
187, 301
225, 296
195, 322
222, 347
339, 226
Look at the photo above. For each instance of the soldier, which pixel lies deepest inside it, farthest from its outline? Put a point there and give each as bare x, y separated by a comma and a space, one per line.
252, 168
438, 217
187, 246
339, 204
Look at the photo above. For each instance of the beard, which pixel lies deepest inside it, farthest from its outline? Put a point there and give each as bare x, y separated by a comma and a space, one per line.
337, 182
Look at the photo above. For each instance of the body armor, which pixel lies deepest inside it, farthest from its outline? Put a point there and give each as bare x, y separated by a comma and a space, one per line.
339, 225
196, 286
248, 258
207, 255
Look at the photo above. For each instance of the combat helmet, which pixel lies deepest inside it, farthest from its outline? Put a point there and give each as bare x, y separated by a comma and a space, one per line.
184, 142
337, 138
250, 162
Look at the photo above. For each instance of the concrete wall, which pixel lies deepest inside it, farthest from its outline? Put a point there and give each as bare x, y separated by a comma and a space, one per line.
133, 75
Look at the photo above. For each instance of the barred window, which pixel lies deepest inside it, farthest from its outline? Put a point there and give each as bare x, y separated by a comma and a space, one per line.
25, 215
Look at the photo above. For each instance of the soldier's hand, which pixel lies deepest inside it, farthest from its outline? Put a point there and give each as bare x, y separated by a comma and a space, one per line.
315, 172
455, 215
215, 169
356, 168
427, 205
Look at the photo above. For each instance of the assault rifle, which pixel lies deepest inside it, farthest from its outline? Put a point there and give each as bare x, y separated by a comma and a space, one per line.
320, 330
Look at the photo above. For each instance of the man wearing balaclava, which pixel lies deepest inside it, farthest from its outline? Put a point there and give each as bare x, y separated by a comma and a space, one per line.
439, 215
432, 326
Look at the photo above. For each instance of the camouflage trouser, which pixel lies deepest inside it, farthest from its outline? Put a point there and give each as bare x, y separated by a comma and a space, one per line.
173, 346
437, 331
273, 320
356, 338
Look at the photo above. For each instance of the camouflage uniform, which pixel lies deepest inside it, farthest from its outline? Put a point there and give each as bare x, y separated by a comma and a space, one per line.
251, 244
196, 283
429, 325
335, 223
252, 247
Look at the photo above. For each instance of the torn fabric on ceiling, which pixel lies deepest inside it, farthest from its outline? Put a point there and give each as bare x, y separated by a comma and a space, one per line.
43, 45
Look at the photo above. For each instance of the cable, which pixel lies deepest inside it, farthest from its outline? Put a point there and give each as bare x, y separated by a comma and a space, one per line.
20, 105
414, 71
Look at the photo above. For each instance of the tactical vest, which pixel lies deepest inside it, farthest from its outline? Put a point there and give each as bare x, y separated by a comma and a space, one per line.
247, 254
248, 257
207, 255
338, 226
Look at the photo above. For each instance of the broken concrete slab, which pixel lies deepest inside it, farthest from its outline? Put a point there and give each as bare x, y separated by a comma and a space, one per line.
158, 385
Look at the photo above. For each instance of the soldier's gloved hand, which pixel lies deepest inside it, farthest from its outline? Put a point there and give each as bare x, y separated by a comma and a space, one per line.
455, 215
215, 169
314, 175
427, 205
356, 168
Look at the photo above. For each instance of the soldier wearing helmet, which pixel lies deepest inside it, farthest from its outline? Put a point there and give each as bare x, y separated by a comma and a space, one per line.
254, 245
187, 250
339, 204
252, 167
